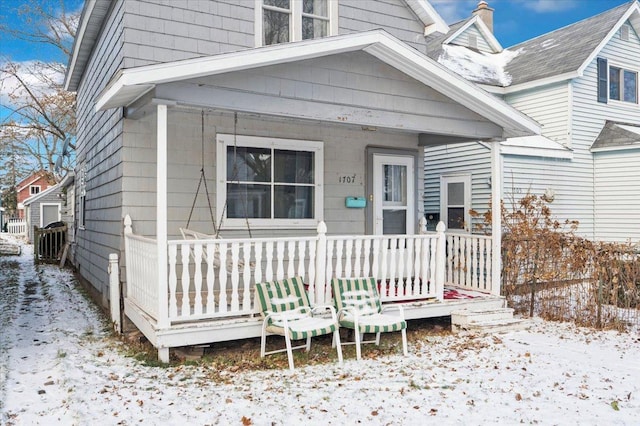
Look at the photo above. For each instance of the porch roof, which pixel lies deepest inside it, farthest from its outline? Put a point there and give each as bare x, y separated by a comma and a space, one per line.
131, 84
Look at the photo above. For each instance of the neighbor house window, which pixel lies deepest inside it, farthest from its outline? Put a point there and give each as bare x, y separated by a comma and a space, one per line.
269, 182
281, 21
616, 83
34, 189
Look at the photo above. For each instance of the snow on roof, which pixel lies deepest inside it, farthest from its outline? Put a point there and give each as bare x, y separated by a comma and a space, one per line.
479, 67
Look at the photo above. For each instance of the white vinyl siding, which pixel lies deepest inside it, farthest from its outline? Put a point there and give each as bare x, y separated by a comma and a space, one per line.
549, 106
588, 119
466, 39
465, 158
617, 190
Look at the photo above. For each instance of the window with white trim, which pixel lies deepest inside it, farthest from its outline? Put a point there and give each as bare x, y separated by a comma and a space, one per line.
34, 189
269, 182
616, 83
281, 21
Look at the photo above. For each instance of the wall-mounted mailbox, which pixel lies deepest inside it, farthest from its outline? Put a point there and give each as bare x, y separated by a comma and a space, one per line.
356, 202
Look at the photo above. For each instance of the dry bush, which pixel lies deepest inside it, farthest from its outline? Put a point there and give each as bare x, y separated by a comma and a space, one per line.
549, 271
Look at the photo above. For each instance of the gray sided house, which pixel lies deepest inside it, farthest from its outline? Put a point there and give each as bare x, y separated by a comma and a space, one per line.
43, 208
580, 83
209, 115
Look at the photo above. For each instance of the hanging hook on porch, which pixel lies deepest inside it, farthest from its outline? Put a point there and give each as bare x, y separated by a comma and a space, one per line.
203, 180
235, 177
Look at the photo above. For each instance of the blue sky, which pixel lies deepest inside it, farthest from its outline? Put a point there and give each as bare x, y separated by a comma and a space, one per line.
515, 21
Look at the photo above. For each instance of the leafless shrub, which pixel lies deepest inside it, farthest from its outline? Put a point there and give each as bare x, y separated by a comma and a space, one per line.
549, 271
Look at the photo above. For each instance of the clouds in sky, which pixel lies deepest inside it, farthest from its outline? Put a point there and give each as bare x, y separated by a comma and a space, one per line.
549, 6
454, 10
41, 78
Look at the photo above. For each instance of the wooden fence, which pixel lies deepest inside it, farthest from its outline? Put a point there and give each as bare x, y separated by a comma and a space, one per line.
49, 245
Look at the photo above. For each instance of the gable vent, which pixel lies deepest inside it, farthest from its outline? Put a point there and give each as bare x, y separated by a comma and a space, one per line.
624, 32
473, 41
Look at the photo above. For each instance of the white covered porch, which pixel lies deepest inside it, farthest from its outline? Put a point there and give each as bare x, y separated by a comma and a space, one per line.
205, 291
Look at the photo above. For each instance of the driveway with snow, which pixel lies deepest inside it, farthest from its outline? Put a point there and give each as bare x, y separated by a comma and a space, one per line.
60, 365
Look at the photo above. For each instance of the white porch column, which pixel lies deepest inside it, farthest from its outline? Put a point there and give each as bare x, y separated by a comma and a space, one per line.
161, 217
496, 218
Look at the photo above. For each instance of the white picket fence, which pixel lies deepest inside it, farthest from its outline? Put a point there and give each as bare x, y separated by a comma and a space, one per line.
214, 278
17, 226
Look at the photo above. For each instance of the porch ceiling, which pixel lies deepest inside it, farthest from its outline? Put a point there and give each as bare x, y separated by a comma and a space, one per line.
172, 81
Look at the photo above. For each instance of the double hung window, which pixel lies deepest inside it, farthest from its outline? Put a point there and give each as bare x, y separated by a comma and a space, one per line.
270, 182
281, 21
616, 83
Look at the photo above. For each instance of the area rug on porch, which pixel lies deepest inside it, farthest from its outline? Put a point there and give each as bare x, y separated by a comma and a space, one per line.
453, 293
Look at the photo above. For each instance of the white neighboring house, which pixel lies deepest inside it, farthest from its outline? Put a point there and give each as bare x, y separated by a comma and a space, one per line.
581, 84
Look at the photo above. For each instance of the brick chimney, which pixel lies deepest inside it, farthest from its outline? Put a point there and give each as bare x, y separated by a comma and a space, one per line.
485, 13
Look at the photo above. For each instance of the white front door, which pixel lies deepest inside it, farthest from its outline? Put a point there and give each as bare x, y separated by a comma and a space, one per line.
455, 202
394, 194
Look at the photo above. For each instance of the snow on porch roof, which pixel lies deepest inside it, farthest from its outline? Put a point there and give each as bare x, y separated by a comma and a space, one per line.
538, 146
130, 84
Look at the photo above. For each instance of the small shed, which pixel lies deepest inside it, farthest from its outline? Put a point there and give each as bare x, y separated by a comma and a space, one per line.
43, 208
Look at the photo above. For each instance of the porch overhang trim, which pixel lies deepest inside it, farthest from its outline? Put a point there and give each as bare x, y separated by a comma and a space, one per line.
535, 146
425, 139
131, 84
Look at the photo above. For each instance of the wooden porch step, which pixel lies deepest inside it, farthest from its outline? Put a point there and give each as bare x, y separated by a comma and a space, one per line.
490, 321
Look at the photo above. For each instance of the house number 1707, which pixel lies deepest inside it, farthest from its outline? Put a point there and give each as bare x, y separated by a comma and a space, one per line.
347, 179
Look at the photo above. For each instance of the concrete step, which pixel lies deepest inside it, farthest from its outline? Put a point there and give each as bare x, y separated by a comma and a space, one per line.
466, 316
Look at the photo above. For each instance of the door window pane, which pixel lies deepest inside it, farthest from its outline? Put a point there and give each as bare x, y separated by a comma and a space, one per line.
456, 193
455, 218
394, 222
395, 184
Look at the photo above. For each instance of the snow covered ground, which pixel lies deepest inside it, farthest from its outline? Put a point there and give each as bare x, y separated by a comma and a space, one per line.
60, 365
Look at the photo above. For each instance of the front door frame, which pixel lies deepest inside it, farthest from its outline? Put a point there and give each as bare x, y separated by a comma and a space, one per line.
372, 151
464, 178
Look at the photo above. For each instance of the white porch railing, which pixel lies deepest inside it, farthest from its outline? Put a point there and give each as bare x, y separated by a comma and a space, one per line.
17, 226
214, 278
469, 260
142, 270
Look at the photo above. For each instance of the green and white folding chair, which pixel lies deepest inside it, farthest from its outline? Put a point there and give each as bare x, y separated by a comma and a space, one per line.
358, 304
286, 310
